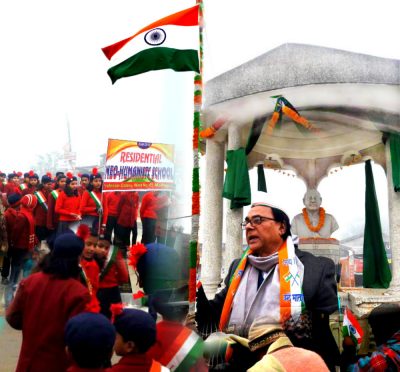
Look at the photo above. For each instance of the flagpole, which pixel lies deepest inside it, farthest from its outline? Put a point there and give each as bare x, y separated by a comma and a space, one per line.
198, 93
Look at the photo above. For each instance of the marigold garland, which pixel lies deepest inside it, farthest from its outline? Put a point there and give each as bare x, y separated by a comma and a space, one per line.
321, 220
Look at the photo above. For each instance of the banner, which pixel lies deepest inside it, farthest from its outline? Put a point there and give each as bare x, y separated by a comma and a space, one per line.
132, 165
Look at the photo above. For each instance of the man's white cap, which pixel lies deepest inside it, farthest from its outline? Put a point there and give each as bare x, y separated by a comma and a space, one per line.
269, 205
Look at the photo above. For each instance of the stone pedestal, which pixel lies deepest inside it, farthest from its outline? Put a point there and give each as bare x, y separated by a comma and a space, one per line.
361, 301
327, 247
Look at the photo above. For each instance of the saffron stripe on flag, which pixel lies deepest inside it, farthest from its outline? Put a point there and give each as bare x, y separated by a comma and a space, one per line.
187, 17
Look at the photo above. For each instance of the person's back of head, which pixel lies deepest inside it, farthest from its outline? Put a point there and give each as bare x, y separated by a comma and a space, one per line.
90, 338
385, 321
136, 332
172, 303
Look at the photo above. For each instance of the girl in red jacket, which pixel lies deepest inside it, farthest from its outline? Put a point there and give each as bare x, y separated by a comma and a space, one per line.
113, 273
68, 204
40, 212
93, 206
52, 216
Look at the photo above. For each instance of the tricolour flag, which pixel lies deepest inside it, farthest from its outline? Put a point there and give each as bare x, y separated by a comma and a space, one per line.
169, 43
184, 352
351, 327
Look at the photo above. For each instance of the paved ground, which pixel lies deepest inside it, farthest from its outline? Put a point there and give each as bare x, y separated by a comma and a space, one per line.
10, 341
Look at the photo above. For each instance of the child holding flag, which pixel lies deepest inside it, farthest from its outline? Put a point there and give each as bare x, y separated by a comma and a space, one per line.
113, 273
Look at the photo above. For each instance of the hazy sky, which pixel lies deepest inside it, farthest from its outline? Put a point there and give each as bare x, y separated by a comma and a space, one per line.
53, 69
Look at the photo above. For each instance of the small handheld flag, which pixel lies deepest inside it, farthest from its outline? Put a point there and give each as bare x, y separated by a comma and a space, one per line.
351, 327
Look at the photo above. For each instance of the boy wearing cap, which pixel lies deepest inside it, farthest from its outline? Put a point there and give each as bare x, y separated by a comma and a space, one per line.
136, 333
89, 338
113, 273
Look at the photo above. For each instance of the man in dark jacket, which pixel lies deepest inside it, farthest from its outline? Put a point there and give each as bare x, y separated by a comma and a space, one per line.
276, 281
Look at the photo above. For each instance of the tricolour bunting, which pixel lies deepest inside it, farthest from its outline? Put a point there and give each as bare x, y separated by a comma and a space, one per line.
169, 43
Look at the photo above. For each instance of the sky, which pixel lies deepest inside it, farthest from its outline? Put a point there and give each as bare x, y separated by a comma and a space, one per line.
53, 70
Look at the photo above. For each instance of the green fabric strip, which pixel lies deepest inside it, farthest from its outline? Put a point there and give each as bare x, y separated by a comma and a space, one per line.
192, 357
195, 180
157, 58
237, 181
376, 270
395, 159
196, 120
262, 185
192, 254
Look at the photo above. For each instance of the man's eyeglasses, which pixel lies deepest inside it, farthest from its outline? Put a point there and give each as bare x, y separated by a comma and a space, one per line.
255, 221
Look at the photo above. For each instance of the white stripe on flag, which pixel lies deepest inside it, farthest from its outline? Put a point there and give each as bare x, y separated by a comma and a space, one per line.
177, 37
183, 351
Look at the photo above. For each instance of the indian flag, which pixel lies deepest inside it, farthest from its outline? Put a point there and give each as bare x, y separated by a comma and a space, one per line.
351, 327
184, 352
169, 43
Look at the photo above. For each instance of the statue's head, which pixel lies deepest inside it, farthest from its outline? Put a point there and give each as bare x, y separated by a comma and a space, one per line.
312, 200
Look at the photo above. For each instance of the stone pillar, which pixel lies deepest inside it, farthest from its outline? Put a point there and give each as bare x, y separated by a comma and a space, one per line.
234, 234
212, 221
394, 223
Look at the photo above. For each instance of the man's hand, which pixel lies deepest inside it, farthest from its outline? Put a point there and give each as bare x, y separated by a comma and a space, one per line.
190, 321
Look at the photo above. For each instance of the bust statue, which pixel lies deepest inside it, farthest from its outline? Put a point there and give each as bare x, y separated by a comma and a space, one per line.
313, 222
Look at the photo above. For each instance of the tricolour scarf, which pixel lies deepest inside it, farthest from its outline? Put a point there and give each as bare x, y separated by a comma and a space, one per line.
291, 299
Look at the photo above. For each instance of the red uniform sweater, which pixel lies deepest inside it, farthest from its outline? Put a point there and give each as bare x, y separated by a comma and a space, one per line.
10, 216
128, 209
52, 216
116, 275
41, 308
18, 230
40, 213
88, 206
91, 269
12, 188
66, 206
113, 199
133, 362
151, 204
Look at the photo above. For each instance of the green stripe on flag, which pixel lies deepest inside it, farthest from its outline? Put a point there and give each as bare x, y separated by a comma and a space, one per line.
192, 357
156, 59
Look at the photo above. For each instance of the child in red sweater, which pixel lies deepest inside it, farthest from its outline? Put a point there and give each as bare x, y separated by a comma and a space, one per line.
90, 272
93, 208
67, 205
113, 274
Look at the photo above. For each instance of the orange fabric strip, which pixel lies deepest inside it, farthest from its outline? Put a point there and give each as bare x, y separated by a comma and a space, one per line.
284, 284
235, 281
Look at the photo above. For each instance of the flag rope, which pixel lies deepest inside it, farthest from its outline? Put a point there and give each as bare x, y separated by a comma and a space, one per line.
197, 102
